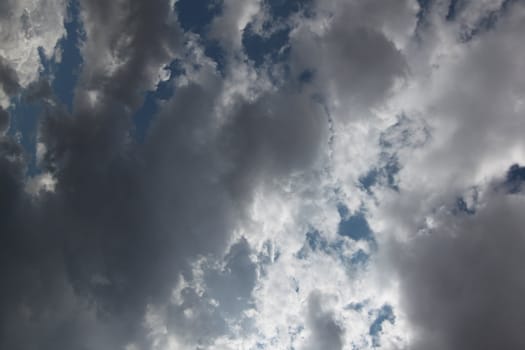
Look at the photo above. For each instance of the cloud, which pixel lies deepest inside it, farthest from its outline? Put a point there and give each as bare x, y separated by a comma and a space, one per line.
325, 332
129, 218
230, 24
29, 28
223, 227
354, 63
462, 283
451, 228
4, 120
126, 46
8, 78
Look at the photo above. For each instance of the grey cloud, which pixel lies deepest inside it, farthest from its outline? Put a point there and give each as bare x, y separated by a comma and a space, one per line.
30, 269
4, 120
472, 109
139, 38
39, 307
8, 78
196, 320
83, 263
28, 29
96, 222
353, 61
462, 283
201, 317
5, 7
38, 91
125, 219
275, 136
326, 333
232, 287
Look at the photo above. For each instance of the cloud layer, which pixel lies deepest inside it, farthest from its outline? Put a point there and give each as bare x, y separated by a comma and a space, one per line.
337, 174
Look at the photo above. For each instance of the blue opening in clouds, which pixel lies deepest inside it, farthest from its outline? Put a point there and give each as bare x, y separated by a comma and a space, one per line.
258, 47
213, 50
196, 15
369, 180
353, 226
25, 117
453, 9
146, 113
424, 8
515, 178
386, 314
67, 70
316, 241
359, 257
62, 75
385, 175
284, 8
63, 71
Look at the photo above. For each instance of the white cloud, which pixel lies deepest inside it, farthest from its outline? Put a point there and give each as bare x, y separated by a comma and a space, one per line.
228, 27
25, 27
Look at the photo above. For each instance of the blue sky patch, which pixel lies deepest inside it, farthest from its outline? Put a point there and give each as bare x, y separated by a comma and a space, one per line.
424, 9
515, 178
284, 8
258, 47
62, 77
353, 226
66, 72
196, 15
386, 314
359, 257
453, 8
385, 175
146, 113
316, 241
369, 180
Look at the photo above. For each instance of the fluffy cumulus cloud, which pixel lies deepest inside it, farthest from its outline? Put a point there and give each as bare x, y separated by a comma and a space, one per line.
266, 174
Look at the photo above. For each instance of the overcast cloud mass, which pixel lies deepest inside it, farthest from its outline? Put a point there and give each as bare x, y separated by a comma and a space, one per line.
262, 174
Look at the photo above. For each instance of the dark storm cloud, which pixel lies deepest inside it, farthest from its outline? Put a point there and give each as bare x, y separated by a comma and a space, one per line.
30, 267
4, 120
134, 215
8, 78
138, 38
5, 7
39, 90
93, 235
273, 137
463, 283
124, 219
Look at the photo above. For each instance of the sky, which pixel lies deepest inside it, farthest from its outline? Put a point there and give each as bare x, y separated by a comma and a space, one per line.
262, 174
